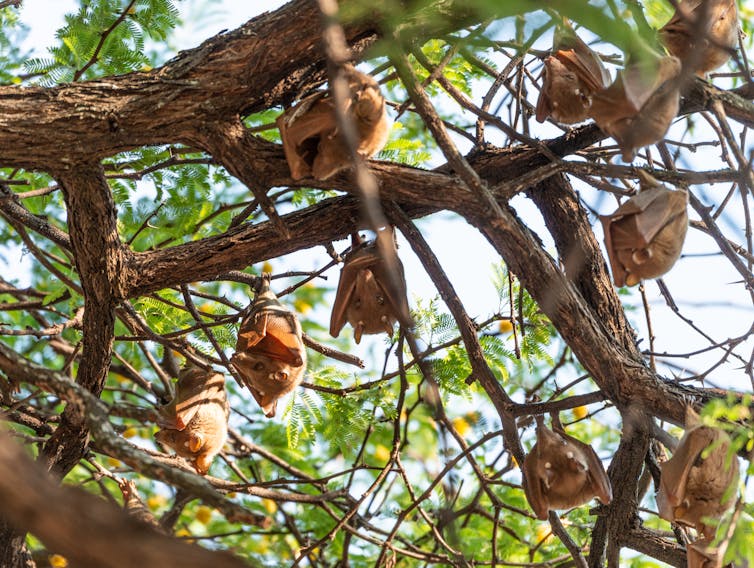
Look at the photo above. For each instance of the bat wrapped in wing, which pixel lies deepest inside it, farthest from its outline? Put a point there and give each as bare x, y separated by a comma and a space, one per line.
369, 297
562, 472
699, 481
312, 140
638, 107
270, 355
702, 46
195, 422
644, 236
573, 73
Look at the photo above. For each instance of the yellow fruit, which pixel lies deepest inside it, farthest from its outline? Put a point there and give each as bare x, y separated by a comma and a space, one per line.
130, 432
203, 514
580, 412
231, 495
381, 453
302, 307
156, 501
267, 266
269, 505
543, 532
461, 425
112, 462
514, 461
182, 533
57, 561
505, 326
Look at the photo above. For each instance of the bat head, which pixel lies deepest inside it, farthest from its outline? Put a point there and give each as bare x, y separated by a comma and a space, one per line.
268, 378
270, 355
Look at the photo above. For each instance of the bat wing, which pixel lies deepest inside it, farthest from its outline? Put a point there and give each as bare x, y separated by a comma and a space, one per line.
599, 482
616, 266
544, 107
675, 471
352, 266
577, 56
533, 486
393, 288
300, 129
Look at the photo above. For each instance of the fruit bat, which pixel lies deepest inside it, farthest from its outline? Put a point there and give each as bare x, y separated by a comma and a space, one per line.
573, 73
367, 296
562, 472
694, 486
312, 140
195, 422
638, 107
702, 46
270, 356
645, 235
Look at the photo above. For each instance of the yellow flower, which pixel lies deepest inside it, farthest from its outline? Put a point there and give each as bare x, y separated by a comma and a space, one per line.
505, 326
267, 266
580, 412
130, 432
543, 532
203, 514
156, 501
461, 425
381, 453
112, 462
57, 561
182, 532
302, 307
270, 505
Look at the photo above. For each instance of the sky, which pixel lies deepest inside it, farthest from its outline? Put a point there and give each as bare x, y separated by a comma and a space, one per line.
463, 253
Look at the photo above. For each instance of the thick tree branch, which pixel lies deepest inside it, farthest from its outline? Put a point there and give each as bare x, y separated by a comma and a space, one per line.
88, 531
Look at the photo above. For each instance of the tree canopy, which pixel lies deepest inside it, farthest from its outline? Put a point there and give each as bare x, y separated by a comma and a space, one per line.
149, 191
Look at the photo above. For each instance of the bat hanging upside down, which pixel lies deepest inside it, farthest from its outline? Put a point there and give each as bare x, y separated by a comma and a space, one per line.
638, 107
644, 236
699, 481
313, 141
562, 472
195, 422
573, 73
702, 45
270, 355
367, 297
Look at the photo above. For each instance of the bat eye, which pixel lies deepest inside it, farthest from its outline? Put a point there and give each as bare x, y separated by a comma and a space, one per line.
281, 376
380, 300
258, 366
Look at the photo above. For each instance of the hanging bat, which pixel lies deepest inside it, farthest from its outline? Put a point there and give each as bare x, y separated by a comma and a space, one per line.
638, 107
562, 472
195, 422
367, 297
270, 356
312, 141
645, 235
694, 486
573, 73
704, 46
